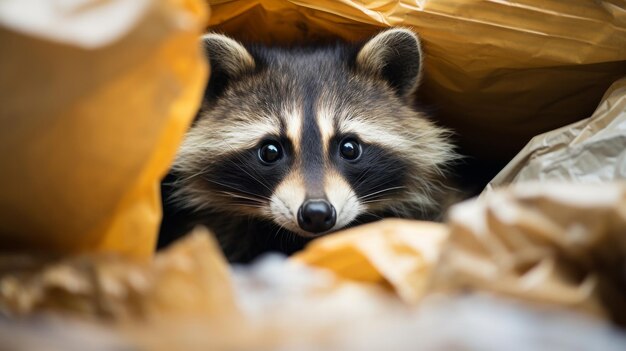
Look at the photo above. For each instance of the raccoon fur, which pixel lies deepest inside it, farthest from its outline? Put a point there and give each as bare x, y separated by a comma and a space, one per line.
294, 143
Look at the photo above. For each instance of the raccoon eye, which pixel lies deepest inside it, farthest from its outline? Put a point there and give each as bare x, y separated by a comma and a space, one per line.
270, 152
350, 149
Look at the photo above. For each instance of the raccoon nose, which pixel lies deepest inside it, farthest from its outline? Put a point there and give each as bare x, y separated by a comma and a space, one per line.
316, 216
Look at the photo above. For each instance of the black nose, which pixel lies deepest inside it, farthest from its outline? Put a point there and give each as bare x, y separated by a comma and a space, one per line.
316, 216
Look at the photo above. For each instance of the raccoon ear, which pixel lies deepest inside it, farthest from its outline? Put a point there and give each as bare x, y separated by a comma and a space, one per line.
228, 59
394, 55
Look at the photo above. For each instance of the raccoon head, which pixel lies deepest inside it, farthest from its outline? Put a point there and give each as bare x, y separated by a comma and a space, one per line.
313, 138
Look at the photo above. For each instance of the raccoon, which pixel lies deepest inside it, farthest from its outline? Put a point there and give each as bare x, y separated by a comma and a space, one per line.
294, 143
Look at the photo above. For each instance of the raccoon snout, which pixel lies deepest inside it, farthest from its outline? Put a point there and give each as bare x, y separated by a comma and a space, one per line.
316, 216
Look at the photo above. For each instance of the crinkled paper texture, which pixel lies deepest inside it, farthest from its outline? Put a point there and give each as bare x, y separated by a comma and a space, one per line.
183, 301
559, 244
398, 253
191, 279
589, 151
91, 120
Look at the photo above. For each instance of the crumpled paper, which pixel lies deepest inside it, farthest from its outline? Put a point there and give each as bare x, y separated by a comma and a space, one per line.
557, 244
95, 97
395, 252
191, 279
589, 151
288, 306
498, 72
285, 305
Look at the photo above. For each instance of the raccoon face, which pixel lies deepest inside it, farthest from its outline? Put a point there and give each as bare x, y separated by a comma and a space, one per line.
313, 138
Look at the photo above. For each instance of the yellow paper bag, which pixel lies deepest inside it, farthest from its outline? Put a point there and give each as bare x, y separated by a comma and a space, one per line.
95, 97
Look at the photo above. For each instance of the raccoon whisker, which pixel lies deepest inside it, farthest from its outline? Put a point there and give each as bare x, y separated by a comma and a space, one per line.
183, 180
280, 227
241, 199
243, 195
257, 200
248, 202
355, 196
361, 177
375, 196
359, 220
281, 239
238, 190
241, 204
236, 206
237, 202
293, 237
191, 176
376, 200
373, 214
246, 172
253, 177
382, 191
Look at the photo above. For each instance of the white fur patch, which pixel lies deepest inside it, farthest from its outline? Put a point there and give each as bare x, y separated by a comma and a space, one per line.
201, 139
372, 133
286, 200
293, 123
343, 198
290, 194
325, 124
